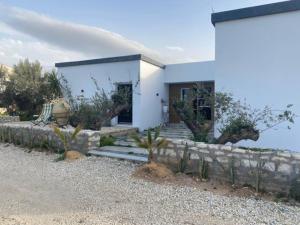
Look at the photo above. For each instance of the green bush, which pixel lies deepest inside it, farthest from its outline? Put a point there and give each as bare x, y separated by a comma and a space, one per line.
295, 189
107, 141
87, 116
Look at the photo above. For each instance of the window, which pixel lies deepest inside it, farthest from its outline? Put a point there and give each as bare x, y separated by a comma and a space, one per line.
184, 93
203, 104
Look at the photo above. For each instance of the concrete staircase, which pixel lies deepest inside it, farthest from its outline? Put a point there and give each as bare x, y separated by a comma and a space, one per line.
125, 147
176, 131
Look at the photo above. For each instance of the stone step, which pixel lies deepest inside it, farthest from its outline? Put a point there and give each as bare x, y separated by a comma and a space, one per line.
125, 143
118, 155
176, 131
174, 134
125, 150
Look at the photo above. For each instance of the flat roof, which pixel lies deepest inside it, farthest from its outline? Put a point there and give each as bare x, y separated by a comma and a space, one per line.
262, 10
111, 60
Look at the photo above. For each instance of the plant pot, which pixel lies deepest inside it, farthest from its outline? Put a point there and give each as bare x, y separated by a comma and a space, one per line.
61, 112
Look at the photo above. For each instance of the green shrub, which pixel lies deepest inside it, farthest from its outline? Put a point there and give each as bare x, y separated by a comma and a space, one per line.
295, 189
107, 141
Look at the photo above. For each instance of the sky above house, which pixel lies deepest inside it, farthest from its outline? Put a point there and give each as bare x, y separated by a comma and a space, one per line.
171, 31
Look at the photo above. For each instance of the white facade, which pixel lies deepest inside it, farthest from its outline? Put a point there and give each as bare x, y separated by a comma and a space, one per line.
107, 76
153, 90
190, 72
257, 59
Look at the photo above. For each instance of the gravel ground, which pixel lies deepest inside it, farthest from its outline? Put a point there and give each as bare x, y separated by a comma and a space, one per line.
36, 190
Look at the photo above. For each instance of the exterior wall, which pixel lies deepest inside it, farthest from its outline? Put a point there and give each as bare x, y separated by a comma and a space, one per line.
190, 72
107, 75
277, 169
152, 91
31, 136
257, 59
9, 119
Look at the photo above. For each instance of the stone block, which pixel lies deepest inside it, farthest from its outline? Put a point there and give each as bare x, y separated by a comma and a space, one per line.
201, 145
239, 150
296, 156
222, 159
203, 151
281, 159
190, 143
285, 168
193, 148
219, 153
208, 159
284, 154
194, 156
270, 166
226, 148
248, 163
213, 147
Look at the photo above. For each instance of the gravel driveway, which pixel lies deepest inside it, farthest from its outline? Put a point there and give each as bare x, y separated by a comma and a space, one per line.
36, 190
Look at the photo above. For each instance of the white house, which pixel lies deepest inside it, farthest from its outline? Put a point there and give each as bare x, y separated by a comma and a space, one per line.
257, 58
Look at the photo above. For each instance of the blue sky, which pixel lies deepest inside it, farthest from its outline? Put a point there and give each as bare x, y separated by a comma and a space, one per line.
173, 30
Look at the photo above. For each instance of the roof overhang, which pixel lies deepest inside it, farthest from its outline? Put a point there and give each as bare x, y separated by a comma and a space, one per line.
262, 10
111, 60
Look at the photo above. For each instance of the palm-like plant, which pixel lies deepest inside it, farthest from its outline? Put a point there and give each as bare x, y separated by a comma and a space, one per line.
66, 139
151, 143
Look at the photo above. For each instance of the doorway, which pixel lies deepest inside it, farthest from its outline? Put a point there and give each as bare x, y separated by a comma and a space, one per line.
125, 117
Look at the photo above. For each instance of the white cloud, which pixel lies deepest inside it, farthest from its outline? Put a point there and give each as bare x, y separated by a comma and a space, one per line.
87, 40
26, 34
12, 50
175, 48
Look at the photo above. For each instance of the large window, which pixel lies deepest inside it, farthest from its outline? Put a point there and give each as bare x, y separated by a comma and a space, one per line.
201, 105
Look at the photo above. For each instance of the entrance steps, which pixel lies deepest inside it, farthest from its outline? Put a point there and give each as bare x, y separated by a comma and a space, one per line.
176, 131
121, 152
126, 148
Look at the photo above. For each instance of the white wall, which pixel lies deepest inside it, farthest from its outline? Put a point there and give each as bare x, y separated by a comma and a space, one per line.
79, 77
151, 84
190, 72
258, 59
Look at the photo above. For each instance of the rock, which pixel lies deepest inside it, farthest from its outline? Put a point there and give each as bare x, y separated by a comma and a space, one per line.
73, 155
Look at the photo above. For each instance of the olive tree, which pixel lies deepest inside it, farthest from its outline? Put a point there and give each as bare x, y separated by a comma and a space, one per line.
28, 88
100, 109
236, 120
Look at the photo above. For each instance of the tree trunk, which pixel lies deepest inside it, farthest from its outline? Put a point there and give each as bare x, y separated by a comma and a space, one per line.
244, 134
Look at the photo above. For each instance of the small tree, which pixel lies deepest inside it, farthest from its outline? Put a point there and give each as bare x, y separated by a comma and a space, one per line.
100, 109
66, 139
28, 88
151, 143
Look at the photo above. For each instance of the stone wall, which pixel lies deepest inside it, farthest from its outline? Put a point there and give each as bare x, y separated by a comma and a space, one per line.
8, 119
29, 135
266, 170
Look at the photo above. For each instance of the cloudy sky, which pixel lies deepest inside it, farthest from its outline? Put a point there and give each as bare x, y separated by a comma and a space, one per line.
52, 31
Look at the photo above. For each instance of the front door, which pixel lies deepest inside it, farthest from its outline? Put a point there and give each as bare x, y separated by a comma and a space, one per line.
126, 115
